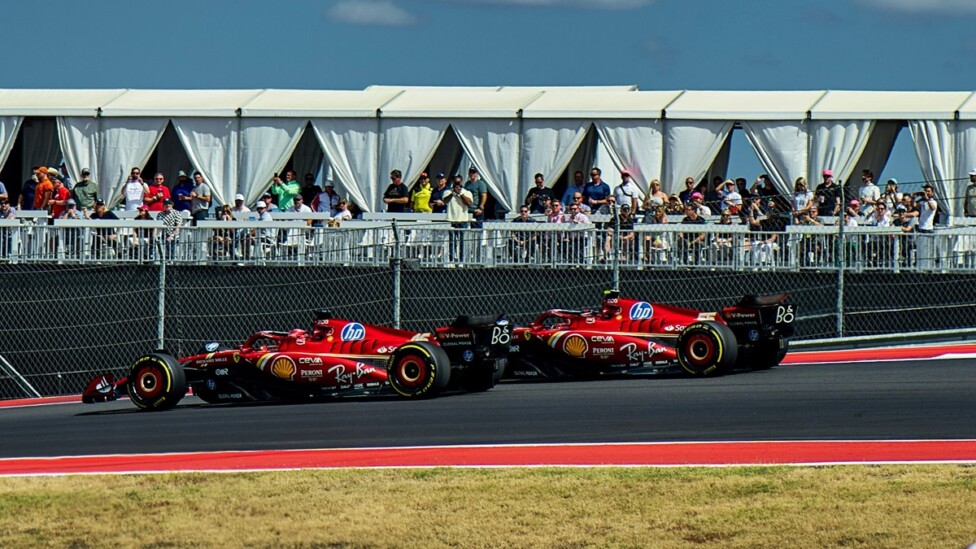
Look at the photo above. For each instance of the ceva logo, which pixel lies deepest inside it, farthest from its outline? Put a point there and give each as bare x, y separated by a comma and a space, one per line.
353, 331
641, 310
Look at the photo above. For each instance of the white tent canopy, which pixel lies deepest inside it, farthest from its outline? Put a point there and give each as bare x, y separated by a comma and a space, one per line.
238, 138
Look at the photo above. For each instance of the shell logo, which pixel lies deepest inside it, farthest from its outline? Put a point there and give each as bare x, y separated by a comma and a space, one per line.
284, 368
575, 346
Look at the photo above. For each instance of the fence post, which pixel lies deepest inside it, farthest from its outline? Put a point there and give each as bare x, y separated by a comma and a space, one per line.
161, 301
842, 262
615, 247
396, 264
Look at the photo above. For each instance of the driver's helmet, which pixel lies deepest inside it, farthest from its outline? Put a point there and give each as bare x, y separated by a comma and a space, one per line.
611, 304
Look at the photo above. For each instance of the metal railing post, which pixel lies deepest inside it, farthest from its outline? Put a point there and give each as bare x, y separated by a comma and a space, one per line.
615, 247
841, 262
396, 263
161, 307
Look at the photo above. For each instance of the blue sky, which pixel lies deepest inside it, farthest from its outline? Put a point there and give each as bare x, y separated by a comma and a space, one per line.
350, 44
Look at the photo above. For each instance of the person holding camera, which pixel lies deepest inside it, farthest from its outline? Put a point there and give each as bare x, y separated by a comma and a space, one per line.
156, 193
285, 190
458, 201
538, 197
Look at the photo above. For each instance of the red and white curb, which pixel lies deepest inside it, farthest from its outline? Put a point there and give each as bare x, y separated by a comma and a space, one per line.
663, 454
880, 354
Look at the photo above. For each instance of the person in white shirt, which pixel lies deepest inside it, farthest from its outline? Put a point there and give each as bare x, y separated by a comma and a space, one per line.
135, 190
343, 213
627, 192
926, 210
458, 199
239, 206
870, 192
802, 198
731, 199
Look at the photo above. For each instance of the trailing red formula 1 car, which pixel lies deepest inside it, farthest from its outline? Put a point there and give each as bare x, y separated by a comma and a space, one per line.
338, 357
630, 336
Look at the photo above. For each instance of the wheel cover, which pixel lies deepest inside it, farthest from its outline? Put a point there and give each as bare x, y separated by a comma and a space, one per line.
700, 350
411, 371
148, 382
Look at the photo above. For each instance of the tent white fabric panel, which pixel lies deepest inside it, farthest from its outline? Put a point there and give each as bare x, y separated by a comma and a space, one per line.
888, 105
879, 147
634, 145
599, 104
690, 147
450, 104
318, 103
78, 135
211, 144
9, 127
836, 146
266, 146
179, 103
935, 148
407, 145
54, 102
493, 146
782, 148
548, 147
350, 147
965, 161
743, 105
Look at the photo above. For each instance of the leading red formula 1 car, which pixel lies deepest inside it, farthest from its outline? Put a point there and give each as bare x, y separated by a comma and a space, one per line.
630, 336
338, 357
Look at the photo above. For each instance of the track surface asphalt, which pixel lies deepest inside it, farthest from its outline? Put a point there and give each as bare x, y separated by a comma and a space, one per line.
912, 400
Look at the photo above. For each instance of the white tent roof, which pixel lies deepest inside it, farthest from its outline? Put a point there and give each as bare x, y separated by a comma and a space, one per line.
888, 105
173, 103
449, 103
743, 105
967, 111
318, 103
557, 103
54, 102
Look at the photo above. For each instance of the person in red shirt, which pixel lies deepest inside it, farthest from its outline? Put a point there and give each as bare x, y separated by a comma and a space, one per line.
42, 194
158, 193
58, 202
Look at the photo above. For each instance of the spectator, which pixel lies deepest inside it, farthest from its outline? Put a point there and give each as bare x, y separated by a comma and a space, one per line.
72, 235
44, 189
327, 201
556, 214
285, 191
459, 201
712, 199
731, 199
27, 190
103, 237
828, 195
58, 202
927, 208
420, 195
298, 206
223, 239
685, 195
342, 212
879, 247
271, 206
655, 196
437, 194
691, 244
676, 206
157, 192
3, 192
764, 186
869, 193
969, 208
698, 202
811, 246
66, 179
766, 247
578, 200
239, 206
309, 189
267, 234
181, 192
577, 240
85, 192
142, 242
627, 192
625, 223
854, 212
578, 186
134, 190
723, 243
802, 198
880, 217
891, 196
6, 233
656, 244
396, 195
521, 244
479, 197
596, 194
742, 185
539, 197
200, 198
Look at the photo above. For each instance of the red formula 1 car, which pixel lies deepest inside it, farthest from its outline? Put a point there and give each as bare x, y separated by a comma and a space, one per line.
338, 357
630, 336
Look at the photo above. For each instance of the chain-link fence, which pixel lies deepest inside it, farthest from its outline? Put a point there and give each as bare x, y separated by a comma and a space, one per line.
67, 319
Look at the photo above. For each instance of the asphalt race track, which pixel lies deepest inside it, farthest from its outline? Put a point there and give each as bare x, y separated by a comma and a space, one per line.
866, 401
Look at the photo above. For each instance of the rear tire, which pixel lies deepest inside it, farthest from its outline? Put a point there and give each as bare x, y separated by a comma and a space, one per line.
707, 348
156, 382
418, 370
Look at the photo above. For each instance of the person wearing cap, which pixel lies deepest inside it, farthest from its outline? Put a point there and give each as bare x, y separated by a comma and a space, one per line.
396, 196
969, 205
327, 201
627, 191
72, 235
827, 195
134, 190
181, 192
239, 206
103, 237
577, 186
58, 202
271, 206
200, 198
437, 194
891, 196
141, 245
44, 189
285, 190
479, 197
85, 192
698, 202
597, 192
156, 193
267, 235
172, 223
854, 212
420, 195
538, 197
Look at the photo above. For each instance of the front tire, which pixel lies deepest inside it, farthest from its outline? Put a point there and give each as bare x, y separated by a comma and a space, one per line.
156, 382
707, 348
418, 370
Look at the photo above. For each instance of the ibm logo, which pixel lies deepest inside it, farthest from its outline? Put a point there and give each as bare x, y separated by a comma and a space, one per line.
353, 331
641, 310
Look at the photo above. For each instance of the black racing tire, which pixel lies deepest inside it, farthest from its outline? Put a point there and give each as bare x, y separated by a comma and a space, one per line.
156, 382
770, 355
706, 348
479, 379
418, 369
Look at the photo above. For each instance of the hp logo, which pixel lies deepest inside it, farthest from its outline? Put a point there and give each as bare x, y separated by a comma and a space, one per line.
641, 310
353, 331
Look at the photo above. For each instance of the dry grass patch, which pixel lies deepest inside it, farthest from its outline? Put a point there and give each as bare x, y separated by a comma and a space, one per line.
842, 506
